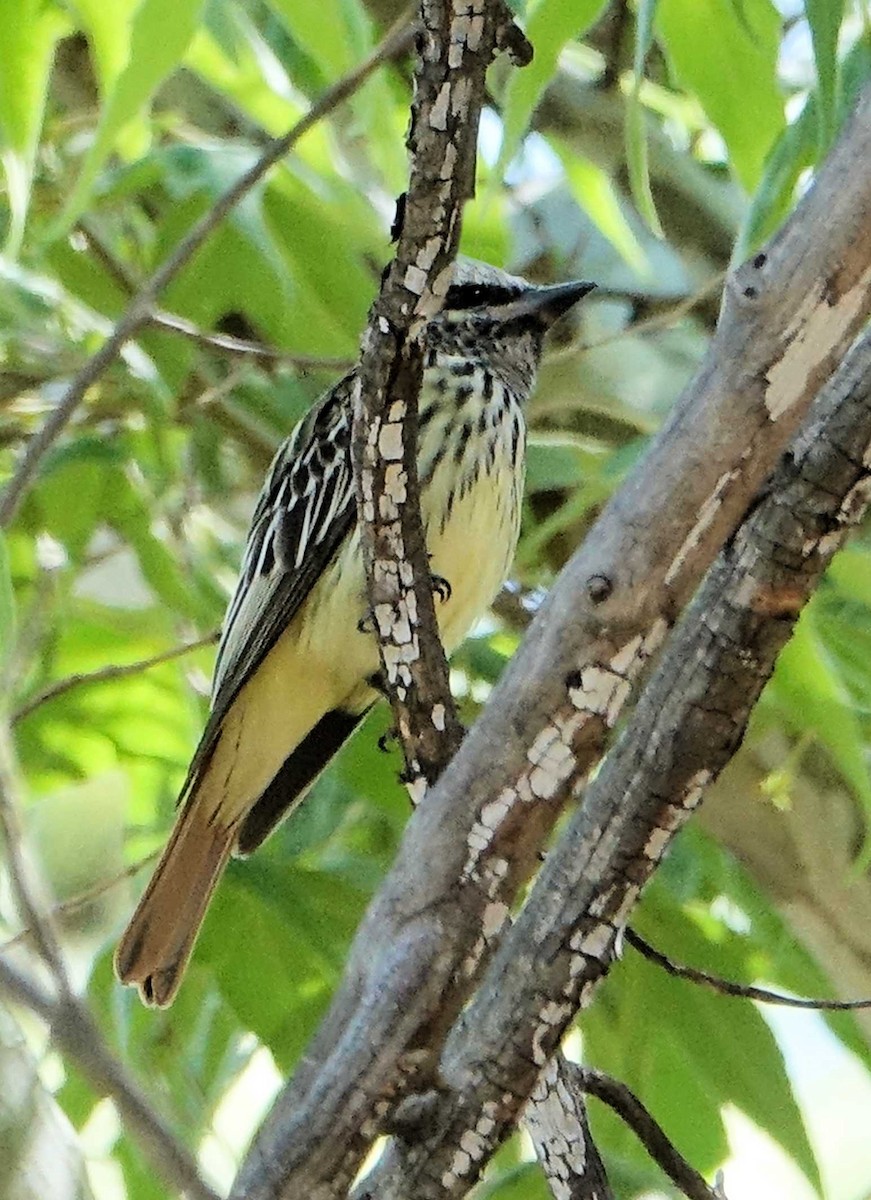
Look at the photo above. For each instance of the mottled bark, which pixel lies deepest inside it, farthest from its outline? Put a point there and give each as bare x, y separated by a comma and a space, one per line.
788, 318
689, 721
556, 1120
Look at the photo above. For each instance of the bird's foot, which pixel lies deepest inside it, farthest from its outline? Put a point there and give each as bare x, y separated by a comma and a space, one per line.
377, 684
441, 588
366, 624
388, 737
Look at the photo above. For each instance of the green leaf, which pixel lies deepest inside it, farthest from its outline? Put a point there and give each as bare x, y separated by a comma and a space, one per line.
596, 194
726, 54
850, 571
324, 31
159, 37
7, 604
189, 1054
796, 149
824, 18
687, 1038
525, 1181
82, 469
29, 31
550, 25
710, 1030
634, 132
793, 152
266, 966
236, 70
807, 687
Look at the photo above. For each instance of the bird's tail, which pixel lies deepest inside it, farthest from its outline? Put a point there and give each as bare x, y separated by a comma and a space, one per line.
157, 944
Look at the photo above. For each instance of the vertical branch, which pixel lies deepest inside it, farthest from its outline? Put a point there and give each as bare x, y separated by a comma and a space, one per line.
556, 1118
456, 42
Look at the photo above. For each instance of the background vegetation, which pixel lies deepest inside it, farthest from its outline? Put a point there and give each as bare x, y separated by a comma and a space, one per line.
645, 148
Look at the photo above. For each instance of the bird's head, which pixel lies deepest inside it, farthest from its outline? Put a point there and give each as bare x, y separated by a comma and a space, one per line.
499, 318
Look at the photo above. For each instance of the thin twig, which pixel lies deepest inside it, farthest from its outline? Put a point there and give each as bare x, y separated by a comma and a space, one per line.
106, 674
245, 349
661, 320
141, 307
74, 903
25, 887
649, 1132
75, 1034
728, 987
174, 323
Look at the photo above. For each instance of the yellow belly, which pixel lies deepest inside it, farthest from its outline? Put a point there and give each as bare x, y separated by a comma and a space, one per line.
322, 661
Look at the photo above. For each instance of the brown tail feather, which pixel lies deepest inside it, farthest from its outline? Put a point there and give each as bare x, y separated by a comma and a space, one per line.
157, 944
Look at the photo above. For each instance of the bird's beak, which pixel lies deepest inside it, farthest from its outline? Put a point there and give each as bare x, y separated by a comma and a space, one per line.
551, 302
546, 303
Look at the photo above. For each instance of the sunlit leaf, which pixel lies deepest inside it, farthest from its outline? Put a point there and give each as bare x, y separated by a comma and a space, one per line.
812, 696
726, 54
29, 31
159, 36
549, 25
824, 18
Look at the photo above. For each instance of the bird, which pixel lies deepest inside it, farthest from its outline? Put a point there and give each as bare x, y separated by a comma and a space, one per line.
296, 666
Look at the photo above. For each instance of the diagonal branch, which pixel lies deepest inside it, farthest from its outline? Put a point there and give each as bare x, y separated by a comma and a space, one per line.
72, 1029
649, 1132
108, 674
728, 987
789, 316
141, 308
688, 723
74, 1033
556, 1119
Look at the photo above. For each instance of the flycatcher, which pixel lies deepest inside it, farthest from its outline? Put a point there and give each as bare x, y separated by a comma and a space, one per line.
295, 663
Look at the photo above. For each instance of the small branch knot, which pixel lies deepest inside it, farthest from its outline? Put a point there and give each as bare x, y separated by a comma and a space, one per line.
599, 588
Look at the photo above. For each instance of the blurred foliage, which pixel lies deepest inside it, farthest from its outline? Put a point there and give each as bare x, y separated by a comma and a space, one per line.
120, 124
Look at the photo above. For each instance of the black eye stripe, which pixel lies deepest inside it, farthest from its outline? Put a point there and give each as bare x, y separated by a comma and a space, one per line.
472, 295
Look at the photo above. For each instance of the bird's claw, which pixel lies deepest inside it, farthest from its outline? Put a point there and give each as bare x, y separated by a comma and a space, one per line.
387, 738
441, 588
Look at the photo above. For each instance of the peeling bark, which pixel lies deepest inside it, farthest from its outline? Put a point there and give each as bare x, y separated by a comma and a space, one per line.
556, 1119
688, 723
788, 317
456, 44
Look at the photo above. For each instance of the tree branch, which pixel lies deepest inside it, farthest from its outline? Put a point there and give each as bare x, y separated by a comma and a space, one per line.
108, 674
72, 1028
81, 899
457, 41
141, 309
456, 44
649, 1132
727, 987
788, 317
173, 323
556, 1119
25, 885
74, 1033
689, 721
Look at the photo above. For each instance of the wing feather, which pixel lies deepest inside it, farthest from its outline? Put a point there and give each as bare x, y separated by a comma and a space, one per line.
303, 514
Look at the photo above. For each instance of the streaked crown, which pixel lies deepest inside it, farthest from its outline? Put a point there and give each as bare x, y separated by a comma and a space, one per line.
499, 319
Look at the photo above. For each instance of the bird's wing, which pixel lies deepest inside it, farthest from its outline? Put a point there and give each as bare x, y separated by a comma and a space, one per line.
304, 511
